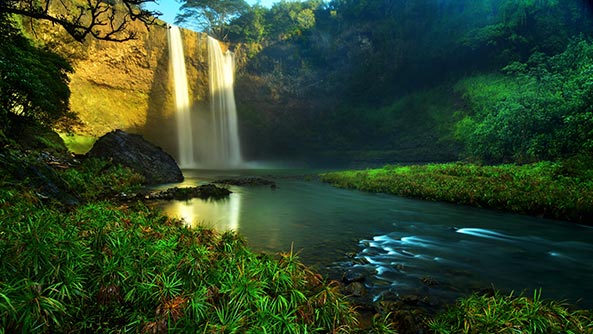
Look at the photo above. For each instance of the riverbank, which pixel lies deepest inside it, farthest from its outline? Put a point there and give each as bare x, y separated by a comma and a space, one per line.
76, 260
94, 264
557, 190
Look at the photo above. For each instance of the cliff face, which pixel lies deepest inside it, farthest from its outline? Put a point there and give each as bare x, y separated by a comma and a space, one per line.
129, 85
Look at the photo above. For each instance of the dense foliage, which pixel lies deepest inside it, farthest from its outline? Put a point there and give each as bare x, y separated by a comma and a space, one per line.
105, 268
33, 80
101, 269
334, 76
540, 109
562, 190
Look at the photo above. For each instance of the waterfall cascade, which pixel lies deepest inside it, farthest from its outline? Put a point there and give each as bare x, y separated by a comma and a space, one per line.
224, 150
216, 143
184, 128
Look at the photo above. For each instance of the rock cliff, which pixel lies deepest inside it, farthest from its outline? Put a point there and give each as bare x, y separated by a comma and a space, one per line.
129, 85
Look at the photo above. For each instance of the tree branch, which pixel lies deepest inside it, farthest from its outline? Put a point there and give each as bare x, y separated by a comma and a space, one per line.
96, 18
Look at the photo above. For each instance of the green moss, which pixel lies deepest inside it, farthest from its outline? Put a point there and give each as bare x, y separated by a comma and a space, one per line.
78, 144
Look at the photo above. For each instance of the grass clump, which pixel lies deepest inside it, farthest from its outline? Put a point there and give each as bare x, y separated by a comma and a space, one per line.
560, 190
98, 178
509, 314
103, 269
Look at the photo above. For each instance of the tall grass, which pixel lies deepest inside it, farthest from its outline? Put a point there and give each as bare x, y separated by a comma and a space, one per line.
561, 190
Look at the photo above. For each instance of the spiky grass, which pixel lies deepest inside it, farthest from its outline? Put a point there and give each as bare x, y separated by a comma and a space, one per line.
511, 314
105, 269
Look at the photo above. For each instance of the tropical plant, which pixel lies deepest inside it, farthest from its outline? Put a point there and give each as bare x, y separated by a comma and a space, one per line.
500, 313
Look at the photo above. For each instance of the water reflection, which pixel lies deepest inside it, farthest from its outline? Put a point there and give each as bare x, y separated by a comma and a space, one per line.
221, 215
402, 241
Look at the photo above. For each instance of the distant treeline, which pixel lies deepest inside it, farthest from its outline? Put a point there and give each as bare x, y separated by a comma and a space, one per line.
496, 80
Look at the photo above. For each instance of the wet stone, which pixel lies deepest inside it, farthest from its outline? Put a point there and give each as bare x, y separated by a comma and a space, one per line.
247, 181
354, 276
355, 289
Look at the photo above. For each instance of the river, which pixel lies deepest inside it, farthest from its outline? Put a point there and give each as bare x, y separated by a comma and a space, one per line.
403, 246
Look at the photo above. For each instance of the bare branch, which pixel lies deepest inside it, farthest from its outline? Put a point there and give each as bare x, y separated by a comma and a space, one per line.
96, 18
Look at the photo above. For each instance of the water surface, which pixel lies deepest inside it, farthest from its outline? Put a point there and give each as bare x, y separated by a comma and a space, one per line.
404, 245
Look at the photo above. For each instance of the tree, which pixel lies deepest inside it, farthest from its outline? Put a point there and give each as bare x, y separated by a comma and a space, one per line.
289, 19
101, 19
211, 16
33, 81
250, 26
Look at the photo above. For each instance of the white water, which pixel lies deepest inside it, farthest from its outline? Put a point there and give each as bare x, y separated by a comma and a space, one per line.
184, 128
401, 241
223, 149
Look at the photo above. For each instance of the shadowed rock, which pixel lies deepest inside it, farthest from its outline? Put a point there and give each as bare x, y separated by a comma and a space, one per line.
135, 152
206, 191
247, 181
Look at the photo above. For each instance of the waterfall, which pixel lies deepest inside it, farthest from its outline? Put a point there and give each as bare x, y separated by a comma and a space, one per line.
215, 144
182, 114
224, 150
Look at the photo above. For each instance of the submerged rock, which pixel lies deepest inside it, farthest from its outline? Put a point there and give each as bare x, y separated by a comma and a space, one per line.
247, 181
135, 152
206, 191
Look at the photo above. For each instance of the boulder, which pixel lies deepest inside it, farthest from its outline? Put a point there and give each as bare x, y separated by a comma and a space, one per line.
135, 152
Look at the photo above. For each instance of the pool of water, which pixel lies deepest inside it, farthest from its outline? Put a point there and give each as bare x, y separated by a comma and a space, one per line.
402, 245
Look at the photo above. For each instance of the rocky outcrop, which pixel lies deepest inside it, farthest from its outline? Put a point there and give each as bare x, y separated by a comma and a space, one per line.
133, 151
33, 170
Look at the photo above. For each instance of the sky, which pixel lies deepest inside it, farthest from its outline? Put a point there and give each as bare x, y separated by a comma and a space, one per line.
169, 8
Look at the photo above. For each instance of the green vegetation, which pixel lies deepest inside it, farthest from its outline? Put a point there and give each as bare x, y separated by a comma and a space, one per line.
33, 80
324, 83
78, 144
104, 268
560, 190
509, 314
99, 268
210, 16
539, 110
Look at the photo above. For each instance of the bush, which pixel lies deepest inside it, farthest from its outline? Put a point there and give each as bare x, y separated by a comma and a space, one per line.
33, 80
102, 269
539, 110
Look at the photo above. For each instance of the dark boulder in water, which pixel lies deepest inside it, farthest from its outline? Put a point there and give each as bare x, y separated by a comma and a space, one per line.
247, 181
206, 191
135, 152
